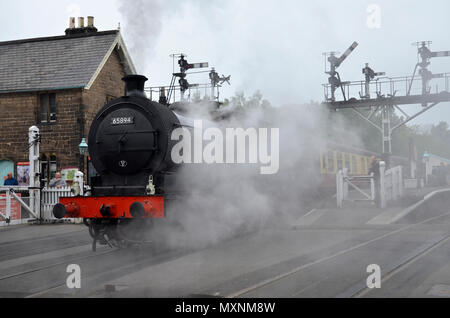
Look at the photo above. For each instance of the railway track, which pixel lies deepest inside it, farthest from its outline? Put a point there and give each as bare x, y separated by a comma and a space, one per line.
120, 262
360, 292
399, 268
38, 269
108, 265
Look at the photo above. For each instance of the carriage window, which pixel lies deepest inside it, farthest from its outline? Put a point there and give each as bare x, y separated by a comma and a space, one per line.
363, 165
347, 161
340, 163
330, 162
322, 163
354, 165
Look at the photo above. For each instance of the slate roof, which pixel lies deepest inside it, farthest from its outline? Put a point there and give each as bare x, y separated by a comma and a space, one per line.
54, 63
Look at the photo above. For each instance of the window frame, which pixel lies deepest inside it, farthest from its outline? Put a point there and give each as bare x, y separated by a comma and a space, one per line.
340, 161
332, 168
50, 161
364, 170
347, 161
354, 163
109, 98
50, 114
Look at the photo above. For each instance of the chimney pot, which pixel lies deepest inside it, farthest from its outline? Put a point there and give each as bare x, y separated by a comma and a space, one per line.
71, 23
81, 22
90, 21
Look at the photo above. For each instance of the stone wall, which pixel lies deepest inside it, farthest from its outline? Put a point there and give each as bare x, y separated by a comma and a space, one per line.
75, 110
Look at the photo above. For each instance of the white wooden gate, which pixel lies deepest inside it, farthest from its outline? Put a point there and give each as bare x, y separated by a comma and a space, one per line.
344, 183
390, 186
393, 180
50, 197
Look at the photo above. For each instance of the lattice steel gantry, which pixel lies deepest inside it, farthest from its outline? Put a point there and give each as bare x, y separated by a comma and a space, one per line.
391, 93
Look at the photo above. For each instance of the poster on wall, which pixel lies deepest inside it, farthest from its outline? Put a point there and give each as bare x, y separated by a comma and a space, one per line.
23, 174
68, 174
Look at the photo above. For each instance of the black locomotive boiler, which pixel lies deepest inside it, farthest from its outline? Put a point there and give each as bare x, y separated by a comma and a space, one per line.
130, 147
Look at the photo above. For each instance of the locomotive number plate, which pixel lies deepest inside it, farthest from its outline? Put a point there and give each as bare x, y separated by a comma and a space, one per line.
122, 120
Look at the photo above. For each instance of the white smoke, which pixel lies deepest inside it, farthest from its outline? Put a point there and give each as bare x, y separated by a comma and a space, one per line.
227, 200
73, 10
141, 27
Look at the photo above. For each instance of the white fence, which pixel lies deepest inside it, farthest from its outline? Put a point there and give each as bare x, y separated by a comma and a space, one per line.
16, 205
36, 203
389, 188
393, 180
50, 197
364, 187
13, 204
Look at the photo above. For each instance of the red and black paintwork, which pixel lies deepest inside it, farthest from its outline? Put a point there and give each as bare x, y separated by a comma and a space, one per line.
130, 147
111, 207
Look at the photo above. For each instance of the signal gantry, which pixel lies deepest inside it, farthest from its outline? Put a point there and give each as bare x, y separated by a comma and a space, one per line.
391, 93
167, 94
335, 79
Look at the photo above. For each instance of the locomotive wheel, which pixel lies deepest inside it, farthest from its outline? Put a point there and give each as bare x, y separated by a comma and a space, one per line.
133, 231
118, 233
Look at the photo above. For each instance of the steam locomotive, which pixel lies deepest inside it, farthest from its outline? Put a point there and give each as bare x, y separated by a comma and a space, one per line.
130, 148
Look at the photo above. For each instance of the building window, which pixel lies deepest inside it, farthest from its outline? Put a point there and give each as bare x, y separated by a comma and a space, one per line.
109, 98
47, 108
48, 167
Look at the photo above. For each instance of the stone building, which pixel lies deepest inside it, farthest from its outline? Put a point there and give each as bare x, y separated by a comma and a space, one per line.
58, 84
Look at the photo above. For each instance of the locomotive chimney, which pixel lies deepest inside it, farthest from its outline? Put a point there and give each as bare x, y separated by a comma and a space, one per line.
134, 85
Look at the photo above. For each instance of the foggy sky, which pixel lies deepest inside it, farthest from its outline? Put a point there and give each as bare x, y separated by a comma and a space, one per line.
273, 46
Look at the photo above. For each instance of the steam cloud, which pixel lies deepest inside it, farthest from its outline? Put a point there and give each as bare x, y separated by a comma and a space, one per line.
228, 200
143, 22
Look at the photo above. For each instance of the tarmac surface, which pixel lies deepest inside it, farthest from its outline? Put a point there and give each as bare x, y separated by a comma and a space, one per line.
324, 253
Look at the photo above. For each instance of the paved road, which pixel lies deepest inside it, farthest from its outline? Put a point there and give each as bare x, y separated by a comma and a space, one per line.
324, 254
